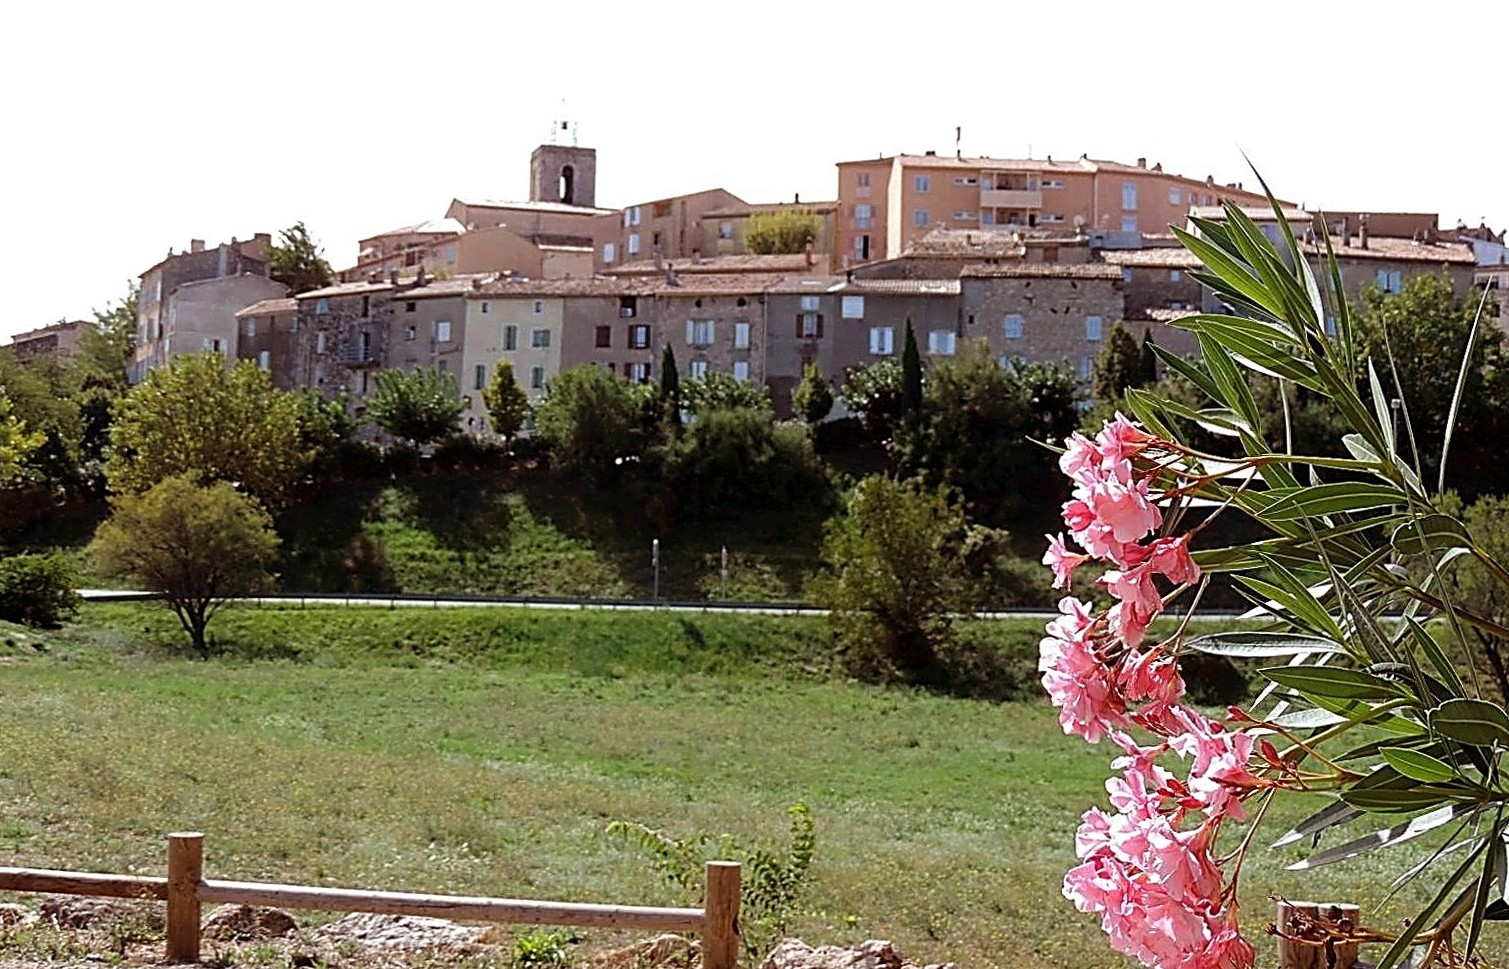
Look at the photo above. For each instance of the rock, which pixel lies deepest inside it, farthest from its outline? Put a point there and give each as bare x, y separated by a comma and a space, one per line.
67, 912
398, 932
243, 923
663, 950
871, 954
13, 914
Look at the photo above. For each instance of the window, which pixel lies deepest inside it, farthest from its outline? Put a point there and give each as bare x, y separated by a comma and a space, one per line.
604, 337
920, 218
699, 369
410, 306
1050, 217
1052, 183
1129, 223
988, 217
631, 217
811, 304
537, 378
321, 306
1175, 275
639, 336
963, 180
862, 247
864, 216
882, 342
862, 179
638, 373
539, 339
633, 243
264, 360
249, 326
539, 307
941, 342
1391, 280
443, 331
741, 334
1093, 326
1126, 274
725, 230
479, 376
443, 366
922, 183
410, 333
627, 307
1129, 195
1013, 326
1085, 366
1173, 196
854, 307
510, 338
699, 333
965, 216
319, 342
608, 251
741, 369
809, 326
487, 307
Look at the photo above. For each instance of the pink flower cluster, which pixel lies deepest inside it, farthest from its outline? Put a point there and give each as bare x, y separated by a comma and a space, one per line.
1147, 868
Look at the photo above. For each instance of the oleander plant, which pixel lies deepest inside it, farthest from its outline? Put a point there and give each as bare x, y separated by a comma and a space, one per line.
1369, 651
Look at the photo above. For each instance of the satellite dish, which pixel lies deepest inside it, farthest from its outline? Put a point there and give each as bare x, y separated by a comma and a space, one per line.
1079, 222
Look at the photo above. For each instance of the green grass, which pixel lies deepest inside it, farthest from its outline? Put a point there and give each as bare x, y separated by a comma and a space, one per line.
484, 752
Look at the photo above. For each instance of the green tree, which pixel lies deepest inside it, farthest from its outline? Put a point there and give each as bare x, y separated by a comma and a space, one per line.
812, 398
722, 391
198, 545
1148, 367
911, 374
782, 231
99, 372
16, 442
38, 590
588, 419
41, 397
420, 406
298, 262
670, 387
507, 403
1119, 366
732, 459
892, 576
196, 417
873, 391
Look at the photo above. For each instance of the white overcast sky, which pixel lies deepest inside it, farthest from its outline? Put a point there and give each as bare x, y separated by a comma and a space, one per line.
132, 127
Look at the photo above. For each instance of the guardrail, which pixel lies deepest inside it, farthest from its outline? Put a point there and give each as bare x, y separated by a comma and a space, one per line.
185, 889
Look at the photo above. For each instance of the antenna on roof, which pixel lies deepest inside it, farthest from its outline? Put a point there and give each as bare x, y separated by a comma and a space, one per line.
560, 128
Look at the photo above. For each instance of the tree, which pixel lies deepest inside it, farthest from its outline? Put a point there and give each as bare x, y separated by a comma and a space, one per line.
198, 545
911, 374
198, 418
813, 398
298, 262
735, 458
873, 391
1120, 365
782, 231
670, 387
1149, 360
419, 406
99, 372
16, 442
38, 590
41, 397
507, 403
892, 575
722, 391
588, 419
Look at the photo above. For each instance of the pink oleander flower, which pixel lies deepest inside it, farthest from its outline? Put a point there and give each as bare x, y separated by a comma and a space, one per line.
1126, 508
1076, 676
1219, 776
1062, 561
1120, 439
1170, 558
1081, 458
1152, 678
1140, 602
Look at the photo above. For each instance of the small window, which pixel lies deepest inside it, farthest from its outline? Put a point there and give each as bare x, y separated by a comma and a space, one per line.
1173, 196
410, 306
725, 230
539, 339
633, 243
264, 360
319, 342
741, 334
479, 376
1129, 223
638, 373
639, 336
920, 218
811, 304
741, 370
443, 331
854, 307
862, 179
987, 216
537, 378
1085, 367
864, 216
486, 306
922, 183
539, 307
1175, 276
1129, 195
321, 306
1013, 326
410, 333
699, 333
881, 341
609, 251
510, 338
604, 337
699, 369
941, 342
1391, 281
810, 326
1093, 327
963, 180
965, 215
249, 326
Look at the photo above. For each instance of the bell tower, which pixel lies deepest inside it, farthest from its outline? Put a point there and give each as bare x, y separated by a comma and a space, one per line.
563, 173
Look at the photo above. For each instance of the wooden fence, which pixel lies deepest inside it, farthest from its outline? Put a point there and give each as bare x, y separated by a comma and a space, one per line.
185, 889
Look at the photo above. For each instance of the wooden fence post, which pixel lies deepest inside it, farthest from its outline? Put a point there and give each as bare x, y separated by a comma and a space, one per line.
185, 871
720, 906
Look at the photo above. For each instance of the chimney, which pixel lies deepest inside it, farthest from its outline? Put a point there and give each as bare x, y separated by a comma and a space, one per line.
808, 252
393, 277
477, 283
1158, 166
1142, 163
848, 275
796, 198
422, 277
1210, 181
1362, 231
196, 245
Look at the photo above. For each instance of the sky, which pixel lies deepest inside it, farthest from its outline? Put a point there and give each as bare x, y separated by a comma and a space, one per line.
131, 128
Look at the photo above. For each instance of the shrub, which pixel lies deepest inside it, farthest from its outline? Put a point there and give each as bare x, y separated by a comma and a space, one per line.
37, 590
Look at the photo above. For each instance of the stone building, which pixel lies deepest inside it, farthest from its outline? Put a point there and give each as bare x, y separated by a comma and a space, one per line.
268, 333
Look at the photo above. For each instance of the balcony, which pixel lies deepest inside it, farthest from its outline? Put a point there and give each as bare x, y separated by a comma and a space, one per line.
1010, 198
357, 358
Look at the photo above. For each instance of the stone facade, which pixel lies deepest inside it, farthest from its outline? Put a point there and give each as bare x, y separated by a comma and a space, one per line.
1050, 313
60, 339
268, 336
343, 337
165, 326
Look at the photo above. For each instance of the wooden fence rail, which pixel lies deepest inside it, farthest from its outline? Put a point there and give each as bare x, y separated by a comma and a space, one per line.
186, 890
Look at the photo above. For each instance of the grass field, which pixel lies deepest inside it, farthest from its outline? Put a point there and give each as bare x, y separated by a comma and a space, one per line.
485, 751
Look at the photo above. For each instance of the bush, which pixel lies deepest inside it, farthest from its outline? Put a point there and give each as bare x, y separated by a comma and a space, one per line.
37, 590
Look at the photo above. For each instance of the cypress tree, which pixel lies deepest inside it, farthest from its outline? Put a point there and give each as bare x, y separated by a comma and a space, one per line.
911, 374
670, 386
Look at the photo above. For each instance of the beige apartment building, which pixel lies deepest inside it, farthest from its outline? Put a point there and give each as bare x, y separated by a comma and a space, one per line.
58, 340
887, 203
669, 228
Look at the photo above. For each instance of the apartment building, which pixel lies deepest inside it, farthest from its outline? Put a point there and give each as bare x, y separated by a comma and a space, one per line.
714, 323
268, 333
60, 339
669, 228
341, 338
1052, 312
889, 202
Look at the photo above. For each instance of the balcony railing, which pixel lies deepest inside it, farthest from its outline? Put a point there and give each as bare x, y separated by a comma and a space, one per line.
357, 358
1010, 198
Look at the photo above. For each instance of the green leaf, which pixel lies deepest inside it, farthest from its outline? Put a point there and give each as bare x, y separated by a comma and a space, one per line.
1253, 644
1418, 766
1474, 722
1396, 800
1429, 534
1388, 837
1340, 684
1327, 499
1337, 812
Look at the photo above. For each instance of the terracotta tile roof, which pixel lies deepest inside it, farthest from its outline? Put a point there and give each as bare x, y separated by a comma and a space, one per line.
556, 240
902, 287
1298, 218
1174, 258
594, 286
955, 242
1382, 248
270, 307
557, 207
1044, 270
779, 263
442, 226
345, 289
458, 285
1160, 315
819, 208
709, 284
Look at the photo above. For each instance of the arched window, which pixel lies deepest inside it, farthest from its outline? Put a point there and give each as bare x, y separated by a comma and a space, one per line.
568, 187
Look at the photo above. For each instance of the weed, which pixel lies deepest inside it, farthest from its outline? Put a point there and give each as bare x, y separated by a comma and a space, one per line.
538, 949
